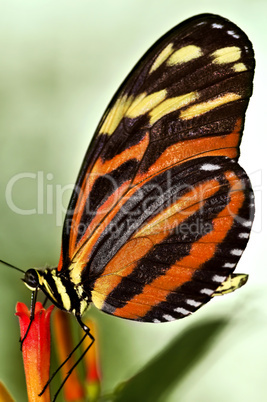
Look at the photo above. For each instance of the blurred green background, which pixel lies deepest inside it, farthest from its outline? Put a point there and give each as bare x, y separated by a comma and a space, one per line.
60, 63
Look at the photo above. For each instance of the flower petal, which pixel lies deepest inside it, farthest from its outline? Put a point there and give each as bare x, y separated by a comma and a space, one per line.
36, 349
4, 394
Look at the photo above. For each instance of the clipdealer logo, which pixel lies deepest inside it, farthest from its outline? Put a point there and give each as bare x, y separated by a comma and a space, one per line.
52, 199
49, 197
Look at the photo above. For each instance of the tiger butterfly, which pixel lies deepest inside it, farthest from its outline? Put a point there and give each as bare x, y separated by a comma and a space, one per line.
161, 211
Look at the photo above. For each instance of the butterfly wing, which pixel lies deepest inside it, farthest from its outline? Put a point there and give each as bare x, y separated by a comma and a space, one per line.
164, 158
173, 249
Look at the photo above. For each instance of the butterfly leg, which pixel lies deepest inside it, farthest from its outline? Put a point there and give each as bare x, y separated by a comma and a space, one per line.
87, 333
33, 303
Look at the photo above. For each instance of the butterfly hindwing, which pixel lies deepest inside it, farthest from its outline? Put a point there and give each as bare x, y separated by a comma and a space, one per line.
163, 160
187, 241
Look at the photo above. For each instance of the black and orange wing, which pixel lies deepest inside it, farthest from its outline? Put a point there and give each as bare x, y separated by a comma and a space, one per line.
161, 211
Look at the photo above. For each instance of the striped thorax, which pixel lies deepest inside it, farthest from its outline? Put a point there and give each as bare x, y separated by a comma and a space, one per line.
59, 289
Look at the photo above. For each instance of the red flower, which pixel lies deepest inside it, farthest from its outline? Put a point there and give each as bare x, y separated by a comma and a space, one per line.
36, 349
36, 355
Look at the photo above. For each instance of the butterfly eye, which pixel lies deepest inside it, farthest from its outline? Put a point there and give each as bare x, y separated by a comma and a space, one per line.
31, 279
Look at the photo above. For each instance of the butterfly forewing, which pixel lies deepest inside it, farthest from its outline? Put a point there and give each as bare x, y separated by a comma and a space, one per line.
161, 211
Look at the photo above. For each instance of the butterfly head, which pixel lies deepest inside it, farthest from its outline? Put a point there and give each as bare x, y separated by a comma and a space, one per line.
50, 283
32, 279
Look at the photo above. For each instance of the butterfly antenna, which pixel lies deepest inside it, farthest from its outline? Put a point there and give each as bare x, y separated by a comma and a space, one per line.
12, 266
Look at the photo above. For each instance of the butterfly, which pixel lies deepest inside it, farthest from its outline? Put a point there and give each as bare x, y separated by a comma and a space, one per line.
161, 211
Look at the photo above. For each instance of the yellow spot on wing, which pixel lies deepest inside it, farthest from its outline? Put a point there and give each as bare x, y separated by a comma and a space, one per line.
238, 67
162, 57
205, 107
144, 103
98, 299
184, 55
226, 55
233, 282
171, 105
115, 115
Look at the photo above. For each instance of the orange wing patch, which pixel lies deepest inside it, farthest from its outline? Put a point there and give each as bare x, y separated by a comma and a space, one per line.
201, 251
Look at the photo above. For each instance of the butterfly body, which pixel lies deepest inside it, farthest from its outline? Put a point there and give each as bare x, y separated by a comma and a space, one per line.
161, 211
